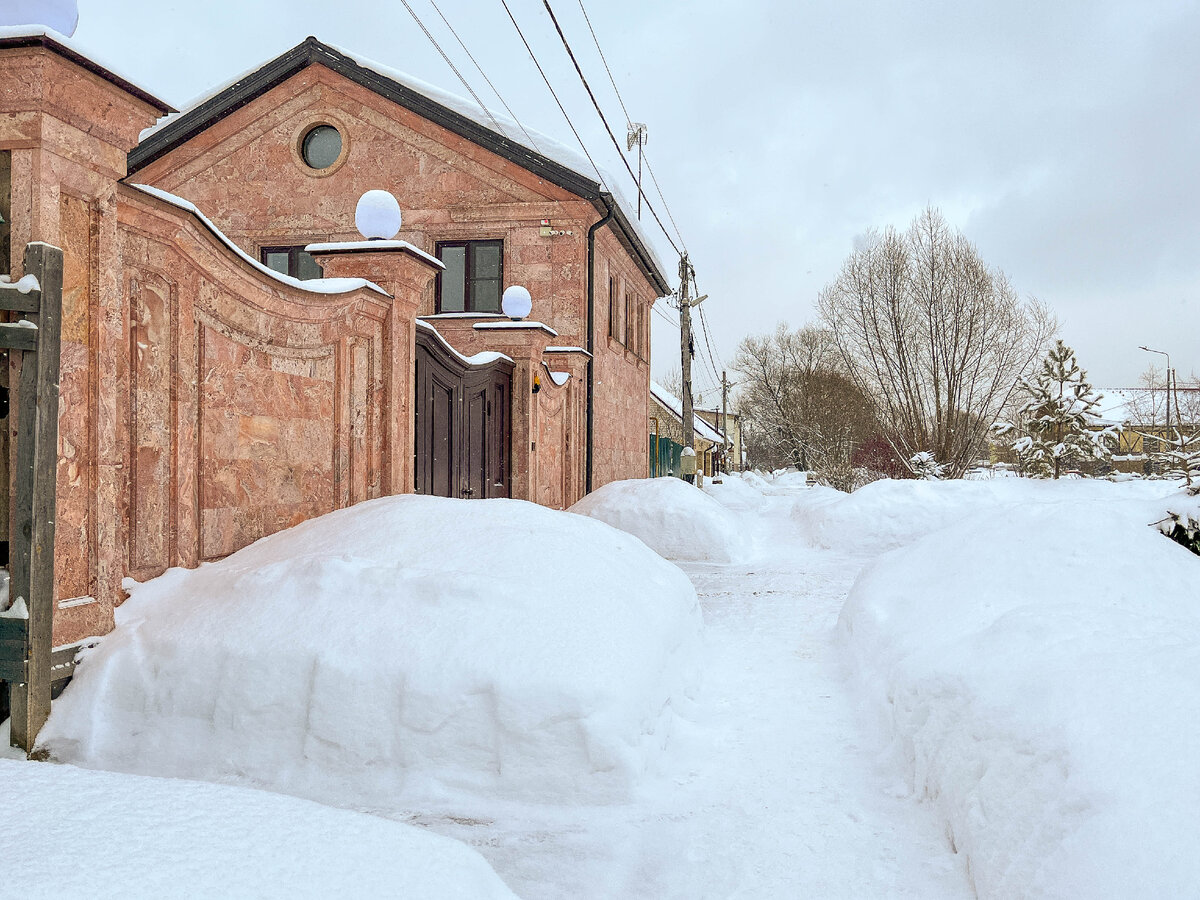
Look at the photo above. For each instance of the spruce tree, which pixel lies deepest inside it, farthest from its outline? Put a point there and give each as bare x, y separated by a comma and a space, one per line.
1060, 418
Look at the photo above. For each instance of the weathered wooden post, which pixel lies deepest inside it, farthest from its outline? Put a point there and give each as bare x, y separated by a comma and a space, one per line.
28, 623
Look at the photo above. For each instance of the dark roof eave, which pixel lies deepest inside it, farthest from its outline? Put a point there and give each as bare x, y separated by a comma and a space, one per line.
45, 40
636, 245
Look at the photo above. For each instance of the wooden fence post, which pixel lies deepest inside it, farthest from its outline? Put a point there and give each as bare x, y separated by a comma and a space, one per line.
31, 560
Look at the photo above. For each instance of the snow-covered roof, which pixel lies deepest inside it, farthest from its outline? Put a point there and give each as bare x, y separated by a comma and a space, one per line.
675, 406
312, 285
483, 358
40, 35
527, 148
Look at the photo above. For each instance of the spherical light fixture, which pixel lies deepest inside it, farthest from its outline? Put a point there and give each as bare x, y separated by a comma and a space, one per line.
516, 302
377, 216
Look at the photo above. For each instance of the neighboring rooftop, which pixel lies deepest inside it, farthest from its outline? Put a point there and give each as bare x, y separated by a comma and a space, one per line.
675, 406
41, 36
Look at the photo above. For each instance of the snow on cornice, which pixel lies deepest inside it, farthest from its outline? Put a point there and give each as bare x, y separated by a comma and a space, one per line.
372, 246
483, 358
312, 286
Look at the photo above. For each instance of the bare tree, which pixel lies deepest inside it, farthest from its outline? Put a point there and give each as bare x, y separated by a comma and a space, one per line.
797, 406
934, 336
1148, 406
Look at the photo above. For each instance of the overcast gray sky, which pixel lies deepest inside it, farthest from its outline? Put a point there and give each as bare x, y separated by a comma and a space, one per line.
1061, 137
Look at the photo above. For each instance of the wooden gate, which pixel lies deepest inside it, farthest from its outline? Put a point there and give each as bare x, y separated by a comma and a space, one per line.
26, 624
462, 428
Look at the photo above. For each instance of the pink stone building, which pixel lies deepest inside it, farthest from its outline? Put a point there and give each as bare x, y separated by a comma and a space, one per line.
216, 388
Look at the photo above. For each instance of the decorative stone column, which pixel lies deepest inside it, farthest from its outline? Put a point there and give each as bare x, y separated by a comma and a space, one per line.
68, 124
404, 272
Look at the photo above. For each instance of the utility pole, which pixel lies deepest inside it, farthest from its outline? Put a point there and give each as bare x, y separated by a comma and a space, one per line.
726, 384
685, 350
636, 137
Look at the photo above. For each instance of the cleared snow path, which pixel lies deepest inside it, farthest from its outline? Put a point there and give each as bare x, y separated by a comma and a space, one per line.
776, 792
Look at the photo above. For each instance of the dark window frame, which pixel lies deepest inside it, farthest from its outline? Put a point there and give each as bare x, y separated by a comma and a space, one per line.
468, 279
612, 307
293, 251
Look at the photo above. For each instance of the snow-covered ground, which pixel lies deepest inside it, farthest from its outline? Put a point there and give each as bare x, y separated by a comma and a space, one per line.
77, 833
1004, 701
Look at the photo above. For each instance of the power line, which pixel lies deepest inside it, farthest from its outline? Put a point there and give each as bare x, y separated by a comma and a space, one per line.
495, 91
629, 124
453, 67
600, 112
612, 81
561, 108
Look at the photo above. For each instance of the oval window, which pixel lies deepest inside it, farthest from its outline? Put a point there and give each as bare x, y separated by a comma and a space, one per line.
321, 147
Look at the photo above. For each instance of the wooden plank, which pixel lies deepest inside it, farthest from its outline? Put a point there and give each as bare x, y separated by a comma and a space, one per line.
12, 300
14, 336
13, 671
12, 628
36, 483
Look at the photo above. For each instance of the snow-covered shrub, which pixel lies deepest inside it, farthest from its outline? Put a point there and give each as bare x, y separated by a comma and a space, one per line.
673, 518
405, 651
925, 466
1178, 457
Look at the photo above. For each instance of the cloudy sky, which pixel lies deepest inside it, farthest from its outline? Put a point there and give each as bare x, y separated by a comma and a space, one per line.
1061, 137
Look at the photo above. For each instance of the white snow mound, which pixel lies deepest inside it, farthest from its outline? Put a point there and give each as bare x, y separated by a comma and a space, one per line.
737, 492
102, 834
1040, 671
890, 513
401, 651
672, 517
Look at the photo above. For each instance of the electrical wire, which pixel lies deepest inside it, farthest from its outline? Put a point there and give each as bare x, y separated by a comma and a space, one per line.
453, 67
607, 128
629, 124
553, 94
478, 67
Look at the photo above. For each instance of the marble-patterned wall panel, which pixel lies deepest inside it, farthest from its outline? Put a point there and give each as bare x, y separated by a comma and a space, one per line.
266, 441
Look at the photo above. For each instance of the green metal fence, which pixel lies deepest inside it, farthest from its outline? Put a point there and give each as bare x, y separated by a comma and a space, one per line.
664, 457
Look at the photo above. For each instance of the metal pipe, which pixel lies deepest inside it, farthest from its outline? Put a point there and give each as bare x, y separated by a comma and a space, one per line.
591, 338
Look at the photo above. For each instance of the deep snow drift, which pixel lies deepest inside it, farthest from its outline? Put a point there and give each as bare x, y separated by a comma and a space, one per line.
1038, 663
401, 652
672, 517
102, 834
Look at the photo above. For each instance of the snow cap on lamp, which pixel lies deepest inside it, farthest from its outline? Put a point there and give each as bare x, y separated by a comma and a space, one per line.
377, 216
516, 302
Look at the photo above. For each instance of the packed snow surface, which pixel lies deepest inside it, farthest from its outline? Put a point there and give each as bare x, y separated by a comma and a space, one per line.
397, 653
1038, 665
672, 517
102, 834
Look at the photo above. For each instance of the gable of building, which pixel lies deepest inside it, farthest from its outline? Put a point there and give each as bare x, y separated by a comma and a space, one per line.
179, 147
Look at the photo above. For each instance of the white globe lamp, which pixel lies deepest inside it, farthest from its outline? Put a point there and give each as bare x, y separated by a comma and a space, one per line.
377, 216
516, 302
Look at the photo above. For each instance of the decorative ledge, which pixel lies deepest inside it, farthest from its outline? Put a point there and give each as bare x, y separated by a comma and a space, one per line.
508, 325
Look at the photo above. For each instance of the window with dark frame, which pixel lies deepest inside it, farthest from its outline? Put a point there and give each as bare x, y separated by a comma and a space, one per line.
473, 278
612, 307
294, 261
629, 333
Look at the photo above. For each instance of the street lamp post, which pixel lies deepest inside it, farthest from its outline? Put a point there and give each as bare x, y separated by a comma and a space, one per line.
1168, 356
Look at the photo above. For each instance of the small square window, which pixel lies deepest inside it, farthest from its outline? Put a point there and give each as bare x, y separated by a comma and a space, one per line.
473, 278
294, 261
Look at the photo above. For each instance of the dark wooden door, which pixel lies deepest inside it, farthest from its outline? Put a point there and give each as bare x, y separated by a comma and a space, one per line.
461, 440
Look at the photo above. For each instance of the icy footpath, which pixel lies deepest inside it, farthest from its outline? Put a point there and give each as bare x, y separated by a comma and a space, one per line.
772, 792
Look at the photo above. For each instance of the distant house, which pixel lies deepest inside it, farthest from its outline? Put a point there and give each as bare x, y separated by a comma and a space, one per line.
236, 359
734, 458
667, 435
1141, 414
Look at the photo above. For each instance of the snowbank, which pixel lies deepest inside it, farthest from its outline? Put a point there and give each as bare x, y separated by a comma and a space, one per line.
1040, 672
890, 513
100, 834
672, 517
736, 492
406, 651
